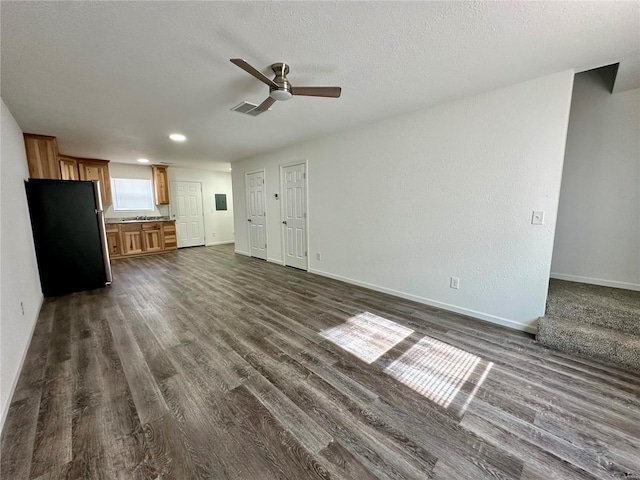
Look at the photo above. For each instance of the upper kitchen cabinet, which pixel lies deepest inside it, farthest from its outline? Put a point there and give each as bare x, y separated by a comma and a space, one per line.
90, 169
69, 168
161, 184
42, 156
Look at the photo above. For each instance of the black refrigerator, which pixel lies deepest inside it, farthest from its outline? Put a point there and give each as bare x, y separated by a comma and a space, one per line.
68, 230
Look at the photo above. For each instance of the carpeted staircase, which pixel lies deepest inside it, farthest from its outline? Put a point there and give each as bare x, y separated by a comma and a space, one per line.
592, 321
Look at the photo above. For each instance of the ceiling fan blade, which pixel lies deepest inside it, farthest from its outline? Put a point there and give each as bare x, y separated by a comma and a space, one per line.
249, 69
264, 106
333, 92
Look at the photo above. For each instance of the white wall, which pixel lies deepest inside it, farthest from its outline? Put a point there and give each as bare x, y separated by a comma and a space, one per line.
19, 279
126, 170
598, 233
403, 205
218, 224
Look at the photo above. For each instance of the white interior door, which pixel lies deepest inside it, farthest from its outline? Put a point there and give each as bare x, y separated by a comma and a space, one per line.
187, 210
294, 188
256, 215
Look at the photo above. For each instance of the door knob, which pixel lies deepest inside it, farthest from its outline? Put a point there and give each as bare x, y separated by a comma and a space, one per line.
248, 220
284, 222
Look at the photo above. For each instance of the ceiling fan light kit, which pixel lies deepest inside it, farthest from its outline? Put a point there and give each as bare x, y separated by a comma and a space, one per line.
280, 89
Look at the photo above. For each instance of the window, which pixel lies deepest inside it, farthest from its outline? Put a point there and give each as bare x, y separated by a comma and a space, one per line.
132, 194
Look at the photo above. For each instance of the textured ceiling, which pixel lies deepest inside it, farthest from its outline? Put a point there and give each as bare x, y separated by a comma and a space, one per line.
113, 79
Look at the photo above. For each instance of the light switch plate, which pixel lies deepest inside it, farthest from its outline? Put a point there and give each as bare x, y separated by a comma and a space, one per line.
454, 283
537, 218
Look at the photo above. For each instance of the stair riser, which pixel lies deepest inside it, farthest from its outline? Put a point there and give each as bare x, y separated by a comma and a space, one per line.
621, 320
595, 342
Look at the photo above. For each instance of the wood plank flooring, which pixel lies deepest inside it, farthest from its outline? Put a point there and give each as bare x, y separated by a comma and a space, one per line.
204, 364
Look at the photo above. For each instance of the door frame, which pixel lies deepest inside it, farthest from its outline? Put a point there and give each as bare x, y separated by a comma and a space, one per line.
246, 209
306, 220
173, 217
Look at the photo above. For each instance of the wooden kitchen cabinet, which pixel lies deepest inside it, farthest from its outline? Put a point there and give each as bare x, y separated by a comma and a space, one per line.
169, 234
89, 169
44, 161
152, 237
131, 235
140, 238
73, 168
68, 168
161, 184
42, 156
113, 240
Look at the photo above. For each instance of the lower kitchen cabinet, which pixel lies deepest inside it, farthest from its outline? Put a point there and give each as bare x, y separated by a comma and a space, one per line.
131, 238
140, 238
169, 234
152, 237
113, 240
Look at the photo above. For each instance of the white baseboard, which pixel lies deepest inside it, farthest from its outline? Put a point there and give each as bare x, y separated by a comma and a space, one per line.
224, 242
505, 322
14, 383
596, 281
275, 260
240, 252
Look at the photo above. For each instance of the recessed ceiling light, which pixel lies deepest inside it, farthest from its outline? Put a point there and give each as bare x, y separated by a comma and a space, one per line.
143, 160
177, 137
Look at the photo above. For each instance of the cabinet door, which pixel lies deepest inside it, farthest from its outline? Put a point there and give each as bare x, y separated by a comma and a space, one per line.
69, 169
131, 239
161, 184
42, 156
152, 240
97, 170
113, 241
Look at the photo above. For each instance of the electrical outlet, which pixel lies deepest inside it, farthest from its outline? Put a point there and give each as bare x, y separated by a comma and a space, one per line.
454, 283
22, 308
537, 218
318, 256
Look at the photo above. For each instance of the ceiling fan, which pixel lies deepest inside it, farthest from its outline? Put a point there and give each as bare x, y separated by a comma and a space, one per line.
280, 88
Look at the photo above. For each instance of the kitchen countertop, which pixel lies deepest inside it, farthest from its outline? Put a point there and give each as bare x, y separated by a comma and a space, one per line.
137, 220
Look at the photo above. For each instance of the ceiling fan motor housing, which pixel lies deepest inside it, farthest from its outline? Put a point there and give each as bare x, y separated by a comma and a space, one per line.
283, 92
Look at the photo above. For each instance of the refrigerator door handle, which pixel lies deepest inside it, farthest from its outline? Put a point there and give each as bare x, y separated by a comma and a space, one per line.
103, 232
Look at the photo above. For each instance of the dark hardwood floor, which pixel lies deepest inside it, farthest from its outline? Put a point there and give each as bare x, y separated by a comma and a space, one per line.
205, 364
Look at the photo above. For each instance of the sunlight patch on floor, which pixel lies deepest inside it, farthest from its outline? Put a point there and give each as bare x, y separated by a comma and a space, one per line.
437, 370
367, 336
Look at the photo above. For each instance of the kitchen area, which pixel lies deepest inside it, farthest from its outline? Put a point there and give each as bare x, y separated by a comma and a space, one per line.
82, 218
144, 231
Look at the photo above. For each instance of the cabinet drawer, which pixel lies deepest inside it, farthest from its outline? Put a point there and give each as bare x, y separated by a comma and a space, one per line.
133, 227
151, 226
111, 228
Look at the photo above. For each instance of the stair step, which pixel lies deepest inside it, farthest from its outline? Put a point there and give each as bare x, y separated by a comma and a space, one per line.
613, 308
568, 335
